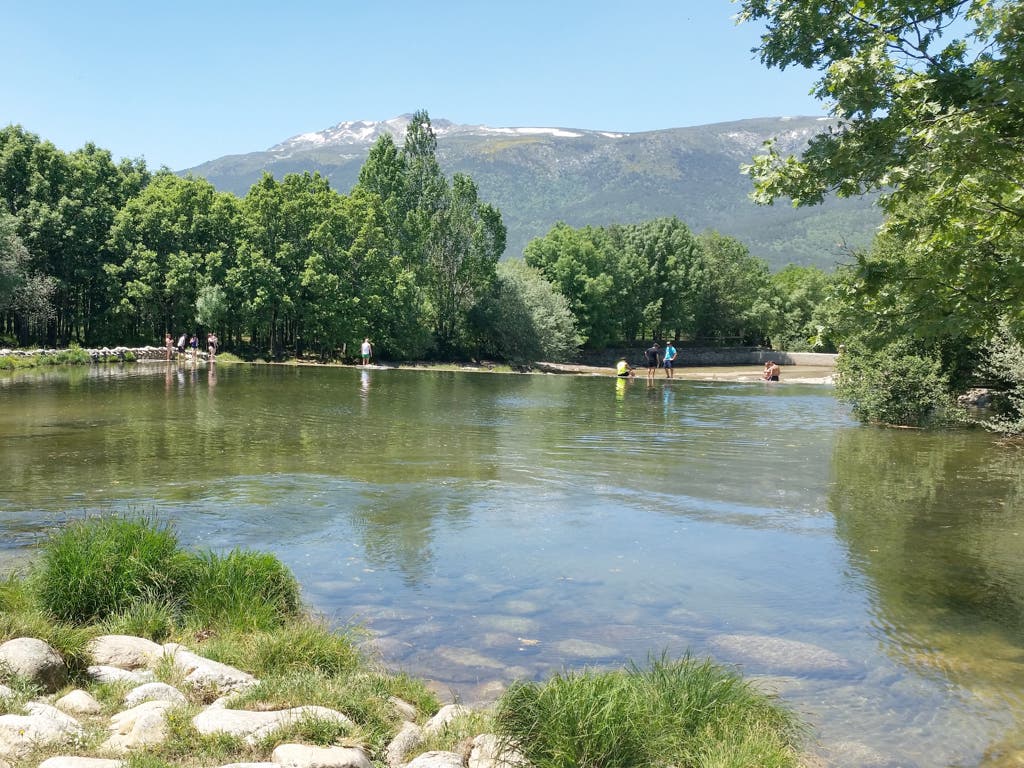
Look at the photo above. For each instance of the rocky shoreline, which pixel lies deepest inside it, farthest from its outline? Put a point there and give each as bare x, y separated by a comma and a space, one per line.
65, 727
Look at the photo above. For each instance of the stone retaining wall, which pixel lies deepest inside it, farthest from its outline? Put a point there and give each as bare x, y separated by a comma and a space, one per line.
142, 354
719, 357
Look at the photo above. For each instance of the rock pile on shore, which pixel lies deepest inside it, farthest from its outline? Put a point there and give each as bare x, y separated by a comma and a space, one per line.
97, 353
68, 722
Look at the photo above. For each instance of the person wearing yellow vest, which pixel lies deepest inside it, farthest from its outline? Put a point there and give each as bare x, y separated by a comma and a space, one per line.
623, 368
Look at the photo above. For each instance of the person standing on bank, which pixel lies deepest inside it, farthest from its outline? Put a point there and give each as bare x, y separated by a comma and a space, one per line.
653, 355
670, 359
366, 351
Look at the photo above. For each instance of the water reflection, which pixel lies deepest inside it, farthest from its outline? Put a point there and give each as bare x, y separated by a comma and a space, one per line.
494, 527
935, 525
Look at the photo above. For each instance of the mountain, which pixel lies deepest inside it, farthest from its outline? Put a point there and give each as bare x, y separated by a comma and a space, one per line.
540, 176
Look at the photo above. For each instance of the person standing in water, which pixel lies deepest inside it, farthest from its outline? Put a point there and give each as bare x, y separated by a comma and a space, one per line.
366, 351
653, 355
670, 359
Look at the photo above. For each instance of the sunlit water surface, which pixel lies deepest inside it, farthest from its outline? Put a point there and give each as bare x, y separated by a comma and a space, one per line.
494, 527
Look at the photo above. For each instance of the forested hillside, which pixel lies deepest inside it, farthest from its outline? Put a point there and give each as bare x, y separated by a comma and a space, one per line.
539, 177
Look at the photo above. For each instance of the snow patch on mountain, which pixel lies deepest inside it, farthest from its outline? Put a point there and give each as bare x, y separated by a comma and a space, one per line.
559, 132
364, 132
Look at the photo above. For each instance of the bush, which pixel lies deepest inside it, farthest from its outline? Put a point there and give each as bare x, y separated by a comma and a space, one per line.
683, 712
98, 566
242, 590
894, 386
1004, 362
71, 356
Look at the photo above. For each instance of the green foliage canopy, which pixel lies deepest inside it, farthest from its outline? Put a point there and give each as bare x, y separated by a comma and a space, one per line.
927, 96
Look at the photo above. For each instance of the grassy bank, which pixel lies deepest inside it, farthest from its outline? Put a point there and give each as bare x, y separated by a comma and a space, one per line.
115, 575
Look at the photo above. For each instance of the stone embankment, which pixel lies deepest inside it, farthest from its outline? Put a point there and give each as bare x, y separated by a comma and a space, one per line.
98, 353
61, 727
715, 356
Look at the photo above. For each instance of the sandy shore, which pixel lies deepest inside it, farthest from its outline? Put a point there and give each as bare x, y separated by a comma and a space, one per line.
791, 374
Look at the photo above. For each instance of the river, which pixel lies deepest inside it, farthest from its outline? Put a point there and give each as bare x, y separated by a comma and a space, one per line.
488, 527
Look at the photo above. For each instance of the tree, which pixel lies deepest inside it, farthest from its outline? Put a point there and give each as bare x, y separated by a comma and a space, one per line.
465, 239
525, 319
280, 219
926, 96
65, 205
582, 265
655, 258
169, 242
802, 300
730, 292
13, 260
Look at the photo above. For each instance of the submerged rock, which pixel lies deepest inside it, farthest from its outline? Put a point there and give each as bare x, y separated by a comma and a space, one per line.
780, 655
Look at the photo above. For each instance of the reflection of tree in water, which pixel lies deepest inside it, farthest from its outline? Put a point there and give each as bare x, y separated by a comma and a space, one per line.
397, 528
934, 522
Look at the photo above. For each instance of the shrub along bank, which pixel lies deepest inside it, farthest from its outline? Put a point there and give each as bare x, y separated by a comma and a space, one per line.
121, 576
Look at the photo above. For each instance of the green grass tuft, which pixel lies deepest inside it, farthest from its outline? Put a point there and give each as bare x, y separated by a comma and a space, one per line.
95, 567
299, 646
681, 713
243, 590
153, 619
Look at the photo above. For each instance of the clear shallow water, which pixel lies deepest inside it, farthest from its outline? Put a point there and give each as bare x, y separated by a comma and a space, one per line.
490, 527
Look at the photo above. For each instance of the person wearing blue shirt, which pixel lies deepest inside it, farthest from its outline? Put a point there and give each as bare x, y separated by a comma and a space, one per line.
669, 360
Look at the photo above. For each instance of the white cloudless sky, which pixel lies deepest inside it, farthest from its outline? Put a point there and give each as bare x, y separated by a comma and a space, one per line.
184, 82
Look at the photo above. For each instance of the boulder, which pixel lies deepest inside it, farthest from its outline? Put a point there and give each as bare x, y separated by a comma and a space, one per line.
445, 715
5, 692
43, 727
403, 708
154, 692
142, 726
66, 721
304, 756
253, 726
104, 674
406, 740
63, 761
206, 673
489, 751
125, 652
436, 760
35, 660
78, 702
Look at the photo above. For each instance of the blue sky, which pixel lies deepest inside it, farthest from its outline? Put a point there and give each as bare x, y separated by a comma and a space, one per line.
183, 82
